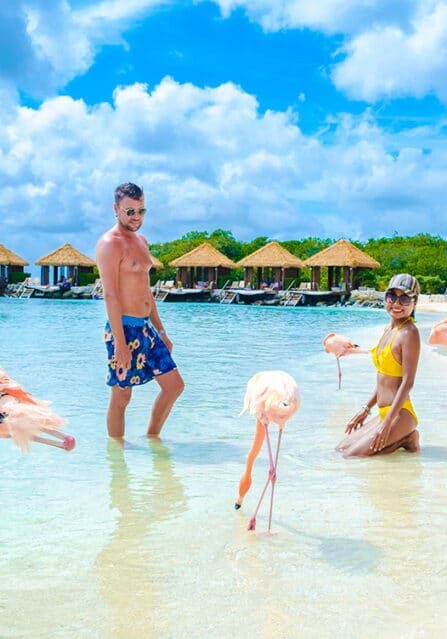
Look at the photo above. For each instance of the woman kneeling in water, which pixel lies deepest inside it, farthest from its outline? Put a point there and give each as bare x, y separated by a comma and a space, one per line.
395, 358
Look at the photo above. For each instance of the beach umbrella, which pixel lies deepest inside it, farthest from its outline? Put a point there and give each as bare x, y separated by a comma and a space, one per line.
271, 396
25, 419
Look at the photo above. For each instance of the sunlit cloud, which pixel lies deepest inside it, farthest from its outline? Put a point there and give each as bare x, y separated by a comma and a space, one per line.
209, 158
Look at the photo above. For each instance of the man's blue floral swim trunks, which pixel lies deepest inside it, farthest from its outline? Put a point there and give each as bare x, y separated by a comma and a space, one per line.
150, 356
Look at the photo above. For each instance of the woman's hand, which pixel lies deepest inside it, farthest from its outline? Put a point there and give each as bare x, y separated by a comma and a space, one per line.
380, 440
357, 420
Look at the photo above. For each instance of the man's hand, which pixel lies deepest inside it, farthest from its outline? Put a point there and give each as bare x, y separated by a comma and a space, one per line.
123, 360
357, 420
167, 342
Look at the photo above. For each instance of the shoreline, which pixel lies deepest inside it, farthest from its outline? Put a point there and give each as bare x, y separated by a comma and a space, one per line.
432, 307
370, 299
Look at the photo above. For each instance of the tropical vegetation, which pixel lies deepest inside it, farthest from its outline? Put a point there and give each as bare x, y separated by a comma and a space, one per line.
422, 255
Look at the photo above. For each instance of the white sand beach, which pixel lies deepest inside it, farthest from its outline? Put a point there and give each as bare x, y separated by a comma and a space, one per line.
432, 303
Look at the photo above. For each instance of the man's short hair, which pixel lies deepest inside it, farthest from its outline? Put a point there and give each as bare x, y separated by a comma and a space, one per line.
128, 189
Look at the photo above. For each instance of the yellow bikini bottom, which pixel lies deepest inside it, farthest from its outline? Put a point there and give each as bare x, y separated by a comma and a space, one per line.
384, 410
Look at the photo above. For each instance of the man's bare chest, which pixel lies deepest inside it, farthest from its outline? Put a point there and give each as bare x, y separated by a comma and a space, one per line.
136, 259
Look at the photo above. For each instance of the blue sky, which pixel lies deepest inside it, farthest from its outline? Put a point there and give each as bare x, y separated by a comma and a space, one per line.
266, 117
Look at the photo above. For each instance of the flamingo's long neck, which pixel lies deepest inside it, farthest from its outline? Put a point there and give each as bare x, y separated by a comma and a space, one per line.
19, 394
245, 482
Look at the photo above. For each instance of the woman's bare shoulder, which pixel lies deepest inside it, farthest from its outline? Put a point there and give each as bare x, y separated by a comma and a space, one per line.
409, 334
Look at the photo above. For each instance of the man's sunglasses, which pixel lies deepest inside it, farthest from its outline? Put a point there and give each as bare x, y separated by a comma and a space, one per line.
132, 212
404, 299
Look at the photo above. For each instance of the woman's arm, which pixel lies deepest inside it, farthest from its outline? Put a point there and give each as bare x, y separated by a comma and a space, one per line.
363, 413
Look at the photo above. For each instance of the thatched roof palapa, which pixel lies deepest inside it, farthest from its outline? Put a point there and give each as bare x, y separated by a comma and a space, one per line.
156, 264
272, 255
205, 255
342, 253
66, 255
9, 258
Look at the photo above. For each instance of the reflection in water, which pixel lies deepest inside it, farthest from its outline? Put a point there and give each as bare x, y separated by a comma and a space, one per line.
393, 487
126, 568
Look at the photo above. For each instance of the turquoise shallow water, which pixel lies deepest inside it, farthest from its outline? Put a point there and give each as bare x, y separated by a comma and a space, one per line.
143, 541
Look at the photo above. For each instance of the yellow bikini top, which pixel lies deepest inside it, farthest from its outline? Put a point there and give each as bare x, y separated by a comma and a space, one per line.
385, 361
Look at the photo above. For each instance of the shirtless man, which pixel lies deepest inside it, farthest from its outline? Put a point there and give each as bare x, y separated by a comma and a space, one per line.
138, 348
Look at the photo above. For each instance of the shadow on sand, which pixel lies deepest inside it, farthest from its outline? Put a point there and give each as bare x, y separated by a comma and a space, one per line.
348, 554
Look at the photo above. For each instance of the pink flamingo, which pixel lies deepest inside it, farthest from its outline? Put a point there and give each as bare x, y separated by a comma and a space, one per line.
340, 346
438, 334
271, 396
24, 418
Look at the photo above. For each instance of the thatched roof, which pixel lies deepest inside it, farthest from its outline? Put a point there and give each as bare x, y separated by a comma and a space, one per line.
204, 255
9, 258
156, 264
342, 253
66, 255
272, 255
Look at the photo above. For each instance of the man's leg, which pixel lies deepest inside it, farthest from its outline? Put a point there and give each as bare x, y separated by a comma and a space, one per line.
171, 386
119, 398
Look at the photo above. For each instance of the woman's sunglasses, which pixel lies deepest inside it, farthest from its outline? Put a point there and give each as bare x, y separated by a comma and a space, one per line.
132, 212
404, 299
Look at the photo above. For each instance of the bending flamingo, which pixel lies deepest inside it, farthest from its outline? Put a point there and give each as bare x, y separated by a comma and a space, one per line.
271, 396
24, 419
438, 334
340, 346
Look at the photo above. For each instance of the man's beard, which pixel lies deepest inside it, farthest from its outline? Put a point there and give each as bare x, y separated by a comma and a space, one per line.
130, 228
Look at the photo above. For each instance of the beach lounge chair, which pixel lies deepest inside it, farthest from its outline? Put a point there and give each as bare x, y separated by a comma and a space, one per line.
169, 284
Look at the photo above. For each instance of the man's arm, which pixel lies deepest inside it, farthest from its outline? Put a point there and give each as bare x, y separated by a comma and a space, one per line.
155, 317
157, 324
108, 258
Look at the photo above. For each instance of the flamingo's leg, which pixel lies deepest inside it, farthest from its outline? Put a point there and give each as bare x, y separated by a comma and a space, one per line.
273, 470
252, 522
245, 482
67, 441
339, 373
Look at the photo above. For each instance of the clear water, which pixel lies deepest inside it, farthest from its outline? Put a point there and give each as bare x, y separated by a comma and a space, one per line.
143, 541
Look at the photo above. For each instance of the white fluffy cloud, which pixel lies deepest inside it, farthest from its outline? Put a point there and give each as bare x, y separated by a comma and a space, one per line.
328, 16
391, 49
46, 43
207, 158
389, 62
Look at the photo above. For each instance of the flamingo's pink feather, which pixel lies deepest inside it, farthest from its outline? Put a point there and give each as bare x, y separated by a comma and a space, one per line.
340, 345
438, 334
24, 416
272, 396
